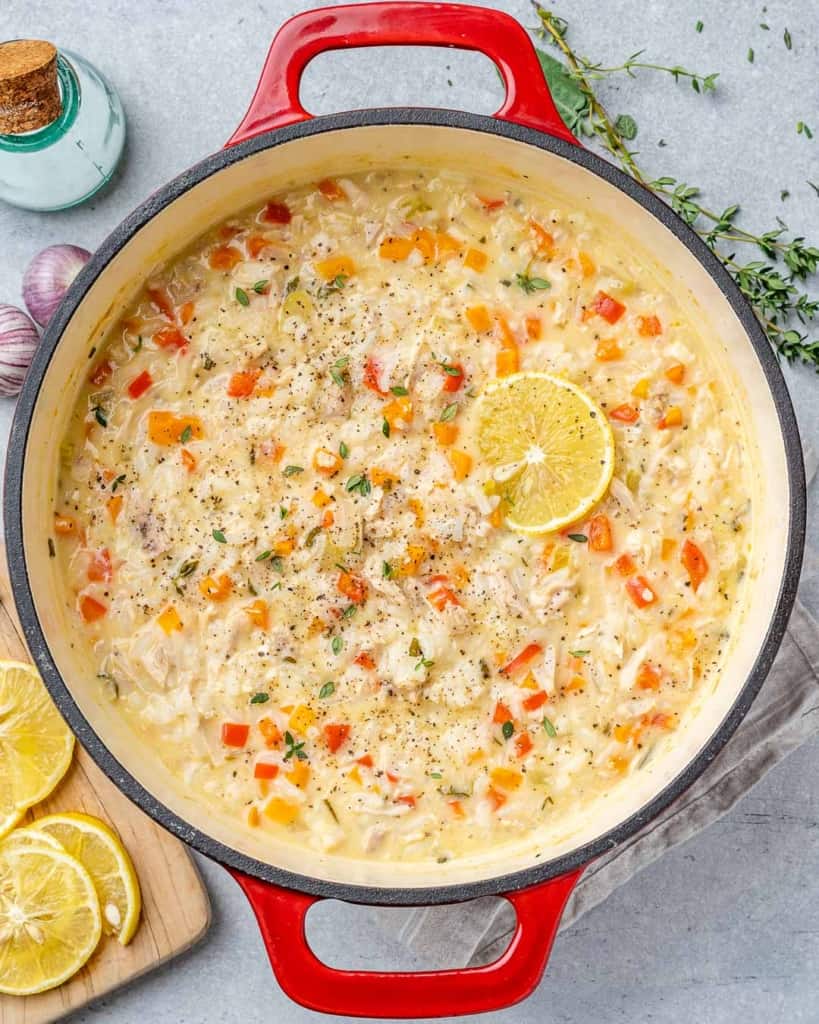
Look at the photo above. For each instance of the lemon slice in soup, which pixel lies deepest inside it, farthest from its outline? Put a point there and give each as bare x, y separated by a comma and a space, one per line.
549, 447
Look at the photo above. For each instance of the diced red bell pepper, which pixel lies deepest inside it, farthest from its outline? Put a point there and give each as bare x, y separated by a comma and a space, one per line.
101, 373
91, 609
695, 563
352, 587
140, 384
537, 700
100, 569
335, 736
234, 734
372, 377
170, 337
599, 531
607, 307
277, 213
624, 414
265, 770
640, 591
453, 380
529, 653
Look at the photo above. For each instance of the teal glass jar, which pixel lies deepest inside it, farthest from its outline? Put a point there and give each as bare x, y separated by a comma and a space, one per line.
69, 159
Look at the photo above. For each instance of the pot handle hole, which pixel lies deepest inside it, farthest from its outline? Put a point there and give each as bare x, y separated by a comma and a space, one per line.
281, 914
399, 23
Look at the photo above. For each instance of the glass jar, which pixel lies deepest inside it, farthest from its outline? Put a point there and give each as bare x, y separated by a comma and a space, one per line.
67, 161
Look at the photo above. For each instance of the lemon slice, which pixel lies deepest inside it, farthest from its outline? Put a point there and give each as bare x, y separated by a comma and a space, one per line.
29, 838
50, 920
98, 848
35, 743
550, 449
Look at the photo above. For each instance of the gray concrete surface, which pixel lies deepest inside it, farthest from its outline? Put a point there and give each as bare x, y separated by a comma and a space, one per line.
725, 929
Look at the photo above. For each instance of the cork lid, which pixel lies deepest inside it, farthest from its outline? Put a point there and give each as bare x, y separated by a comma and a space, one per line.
29, 91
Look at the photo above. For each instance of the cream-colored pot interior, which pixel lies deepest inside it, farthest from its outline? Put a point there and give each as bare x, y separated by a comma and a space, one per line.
343, 151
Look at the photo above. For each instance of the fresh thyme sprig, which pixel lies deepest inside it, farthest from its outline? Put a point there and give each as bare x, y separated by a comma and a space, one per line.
774, 286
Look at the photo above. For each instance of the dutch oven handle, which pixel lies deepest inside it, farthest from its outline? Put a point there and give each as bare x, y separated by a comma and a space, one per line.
281, 915
401, 23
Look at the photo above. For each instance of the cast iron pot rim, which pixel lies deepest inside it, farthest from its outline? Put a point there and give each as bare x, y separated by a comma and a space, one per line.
382, 895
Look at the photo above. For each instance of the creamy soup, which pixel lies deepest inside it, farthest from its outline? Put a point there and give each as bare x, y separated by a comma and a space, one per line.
294, 569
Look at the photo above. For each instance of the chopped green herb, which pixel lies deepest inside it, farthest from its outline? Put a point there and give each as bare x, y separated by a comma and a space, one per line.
783, 195
335, 285
338, 371
424, 663
762, 25
399, 390
580, 538
750, 55
119, 480
415, 648
283, 512
814, 187
294, 749
242, 297
550, 729
260, 698
327, 690
359, 483
293, 470
343, 450
387, 571
449, 413
699, 26
291, 285
187, 568
99, 416
138, 345
626, 126
186, 434
311, 536
385, 427
264, 555
803, 129
507, 729
435, 775
531, 284
52, 551
337, 644
219, 537
486, 672
788, 40
277, 564
331, 809
579, 654
260, 286
349, 611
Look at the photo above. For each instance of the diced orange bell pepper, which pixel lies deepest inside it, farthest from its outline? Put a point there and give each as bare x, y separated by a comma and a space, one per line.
476, 260
624, 414
100, 569
673, 418
242, 383
599, 531
523, 744
506, 778
169, 620
335, 266
648, 678
283, 812
461, 463
649, 326
188, 460
445, 433
537, 700
534, 327
354, 588
501, 714
216, 590
170, 337
507, 361
479, 318
166, 428
545, 239
258, 613
64, 525
270, 732
224, 257
675, 373
667, 548
695, 563
326, 462
640, 591
114, 506
91, 609
608, 350
396, 248
625, 565
398, 412
331, 190
265, 770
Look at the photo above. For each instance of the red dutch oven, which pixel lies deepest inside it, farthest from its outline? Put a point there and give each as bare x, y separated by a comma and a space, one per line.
277, 144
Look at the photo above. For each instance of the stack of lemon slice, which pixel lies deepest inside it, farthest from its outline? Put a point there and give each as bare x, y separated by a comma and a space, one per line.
66, 879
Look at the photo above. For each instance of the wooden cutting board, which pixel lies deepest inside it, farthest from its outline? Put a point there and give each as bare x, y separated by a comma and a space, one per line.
176, 908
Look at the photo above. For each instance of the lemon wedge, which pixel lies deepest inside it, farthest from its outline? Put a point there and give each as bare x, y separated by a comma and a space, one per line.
35, 743
50, 920
99, 849
549, 447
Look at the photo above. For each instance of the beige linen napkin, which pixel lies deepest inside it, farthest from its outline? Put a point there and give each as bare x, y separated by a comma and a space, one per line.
784, 715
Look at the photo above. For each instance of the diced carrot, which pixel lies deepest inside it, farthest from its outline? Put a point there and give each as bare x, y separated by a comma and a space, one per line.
528, 654
506, 778
277, 213
335, 266
255, 245
331, 189
675, 373
165, 428
64, 525
398, 412
599, 531
328, 519
265, 770
476, 260
186, 312
372, 376
607, 307
453, 378
270, 732
284, 546
649, 326
100, 569
501, 714
382, 478
545, 239
508, 339
608, 350
534, 327
228, 231
461, 463
490, 204
587, 264
335, 736
640, 591
169, 620
188, 460
258, 613
445, 433
695, 563
366, 761
354, 588
536, 701
667, 548
160, 298
457, 808
327, 463
648, 678
407, 799
523, 744
417, 507
441, 597
242, 383
140, 384
91, 609
479, 318
416, 555
624, 414
507, 361
170, 337
101, 373
365, 660
496, 799
396, 248
446, 245
234, 734
114, 506
673, 418
625, 565
224, 257
216, 590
